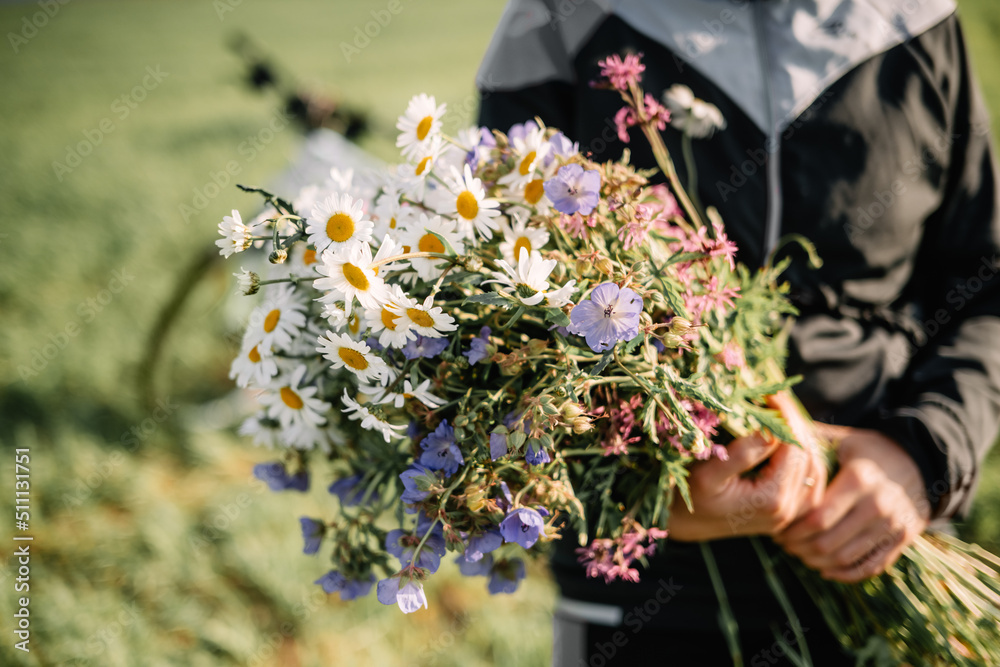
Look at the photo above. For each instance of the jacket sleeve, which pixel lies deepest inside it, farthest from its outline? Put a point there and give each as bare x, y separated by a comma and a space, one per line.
946, 413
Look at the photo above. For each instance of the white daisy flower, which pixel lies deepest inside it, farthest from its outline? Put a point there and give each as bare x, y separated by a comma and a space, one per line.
337, 222
264, 431
528, 282
467, 203
350, 275
518, 236
413, 176
426, 319
305, 436
236, 237
420, 123
247, 282
690, 114
278, 320
356, 412
420, 392
529, 153
354, 328
391, 330
294, 406
391, 215
255, 366
357, 357
417, 237
562, 296
531, 197
335, 316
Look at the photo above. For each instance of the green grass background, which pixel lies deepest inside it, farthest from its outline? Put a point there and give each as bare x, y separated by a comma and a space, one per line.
160, 551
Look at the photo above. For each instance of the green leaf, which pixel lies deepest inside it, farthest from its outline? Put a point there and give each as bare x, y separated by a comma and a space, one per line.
449, 249
516, 440
683, 257
634, 343
557, 317
603, 363
489, 298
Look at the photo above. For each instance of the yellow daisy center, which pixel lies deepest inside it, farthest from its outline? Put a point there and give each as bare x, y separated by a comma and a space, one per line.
389, 319
353, 358
406, 249
291, 399
309, 257
522, 242
354, 323
423, 127
356, 277
467, 205
422, 165
533, 191
392, 223
430, 243
340, 227
420, 317
526, 163
271, 321
254, 355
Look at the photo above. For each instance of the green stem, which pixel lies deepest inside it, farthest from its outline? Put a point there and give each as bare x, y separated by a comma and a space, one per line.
779, 592
727, 621
692, 171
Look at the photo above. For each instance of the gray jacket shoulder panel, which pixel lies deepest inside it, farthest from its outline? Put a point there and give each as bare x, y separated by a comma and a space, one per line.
803, 46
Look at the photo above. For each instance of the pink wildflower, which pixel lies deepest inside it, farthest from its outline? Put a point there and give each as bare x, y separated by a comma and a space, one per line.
622, 73
576, 224
613, 559
732, 356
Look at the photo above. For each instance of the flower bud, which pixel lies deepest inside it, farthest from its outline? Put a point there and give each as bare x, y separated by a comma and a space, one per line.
472, 263
605, 266
581, 424
278, 256
461, 420
582, 266
571, 410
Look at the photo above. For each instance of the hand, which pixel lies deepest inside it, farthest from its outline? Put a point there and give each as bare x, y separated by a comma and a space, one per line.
728, 504
874, 508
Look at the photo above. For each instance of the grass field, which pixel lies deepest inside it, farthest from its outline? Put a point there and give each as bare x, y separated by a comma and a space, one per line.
152, 545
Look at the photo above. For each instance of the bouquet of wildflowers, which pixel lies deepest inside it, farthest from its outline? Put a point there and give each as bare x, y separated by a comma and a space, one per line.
497, 343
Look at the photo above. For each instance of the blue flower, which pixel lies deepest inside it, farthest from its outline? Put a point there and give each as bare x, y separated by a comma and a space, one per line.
475, 568
536, 455
505, 576
410, 597
521, 130
524, 526
278, 479
561, 147
440, 450
350, 492
498, 445
312, 534
481, 545
401, 544
349, 589
425, 347
477, 348
610, 314
574, 190
417, 481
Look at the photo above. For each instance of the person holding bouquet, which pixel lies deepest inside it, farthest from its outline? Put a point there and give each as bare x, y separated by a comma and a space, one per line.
860, 127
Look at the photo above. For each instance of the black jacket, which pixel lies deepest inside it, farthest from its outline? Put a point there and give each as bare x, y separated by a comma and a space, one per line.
858, 127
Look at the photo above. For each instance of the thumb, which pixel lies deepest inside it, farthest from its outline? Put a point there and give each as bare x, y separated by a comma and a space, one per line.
745, 454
